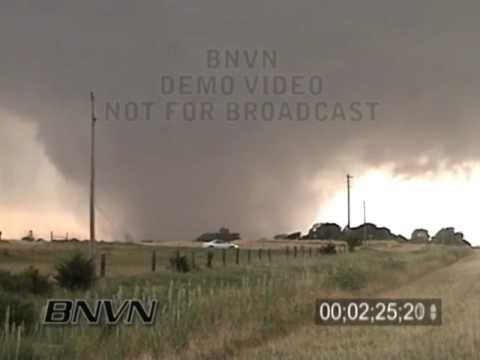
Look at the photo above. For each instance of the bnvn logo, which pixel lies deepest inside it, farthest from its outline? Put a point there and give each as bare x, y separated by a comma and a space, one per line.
61, 312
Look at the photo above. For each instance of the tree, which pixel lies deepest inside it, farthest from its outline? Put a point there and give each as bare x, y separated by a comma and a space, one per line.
325, 231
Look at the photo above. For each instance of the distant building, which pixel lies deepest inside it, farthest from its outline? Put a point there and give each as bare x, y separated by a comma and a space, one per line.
222, 234
29, 237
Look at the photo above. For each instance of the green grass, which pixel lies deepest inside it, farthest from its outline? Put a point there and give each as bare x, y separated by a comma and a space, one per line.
203, 314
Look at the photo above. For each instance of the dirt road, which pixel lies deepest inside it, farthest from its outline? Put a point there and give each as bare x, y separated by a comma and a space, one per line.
458, 337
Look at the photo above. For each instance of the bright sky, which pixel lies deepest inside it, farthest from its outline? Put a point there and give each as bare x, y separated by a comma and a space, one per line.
403, 204
35, 196
400, 204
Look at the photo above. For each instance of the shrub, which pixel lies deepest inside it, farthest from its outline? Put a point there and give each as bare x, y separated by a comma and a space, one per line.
7, 281
35, 283
20, 311
29, 281
76, 273
328, 249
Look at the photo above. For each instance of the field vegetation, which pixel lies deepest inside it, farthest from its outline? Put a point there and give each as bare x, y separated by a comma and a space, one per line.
206, 313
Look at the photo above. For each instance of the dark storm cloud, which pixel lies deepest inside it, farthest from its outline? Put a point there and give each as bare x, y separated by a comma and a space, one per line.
161, 179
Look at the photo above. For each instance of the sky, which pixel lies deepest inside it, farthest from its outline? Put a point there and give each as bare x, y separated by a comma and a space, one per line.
415, 163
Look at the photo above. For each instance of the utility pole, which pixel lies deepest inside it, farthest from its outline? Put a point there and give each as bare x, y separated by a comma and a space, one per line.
364, 212
349, 177
92, 179
365, 222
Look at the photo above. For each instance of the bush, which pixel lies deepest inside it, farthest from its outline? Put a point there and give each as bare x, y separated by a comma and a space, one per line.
8, 281
76, 273
29, 281
328, 249
20, 311
35, 283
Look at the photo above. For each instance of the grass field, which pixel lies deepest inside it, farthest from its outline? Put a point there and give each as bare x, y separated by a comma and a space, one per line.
244, 311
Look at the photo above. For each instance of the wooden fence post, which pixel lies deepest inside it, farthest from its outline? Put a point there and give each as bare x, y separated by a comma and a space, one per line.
194, 265
237, 256
294, 251
209, 259
177, 260
249, 256
224, 257
103, 265
154, 261
260, 253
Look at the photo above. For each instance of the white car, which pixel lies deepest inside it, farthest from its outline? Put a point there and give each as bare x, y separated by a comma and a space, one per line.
220, 244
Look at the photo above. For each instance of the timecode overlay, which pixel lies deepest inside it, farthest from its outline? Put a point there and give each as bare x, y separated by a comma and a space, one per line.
393, 312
